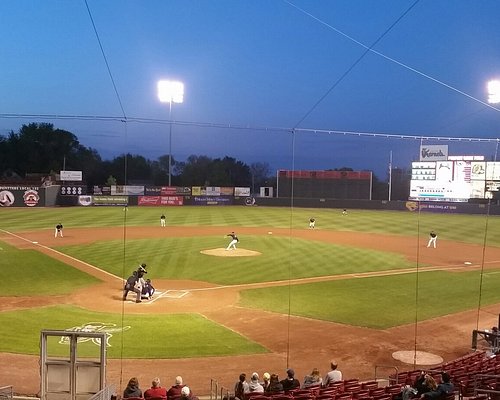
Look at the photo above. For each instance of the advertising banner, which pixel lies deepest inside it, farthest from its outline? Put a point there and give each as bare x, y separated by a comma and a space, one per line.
128, 190
85, 201
434, 152
110, 200
21, 196
212, 191
242, 191
71, 176
160, 201
212, 201
168, 190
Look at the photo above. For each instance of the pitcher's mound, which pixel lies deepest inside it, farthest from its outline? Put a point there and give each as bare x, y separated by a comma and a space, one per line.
420, 357
231, 253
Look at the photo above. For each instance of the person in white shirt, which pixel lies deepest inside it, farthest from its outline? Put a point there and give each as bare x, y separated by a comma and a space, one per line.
333, 376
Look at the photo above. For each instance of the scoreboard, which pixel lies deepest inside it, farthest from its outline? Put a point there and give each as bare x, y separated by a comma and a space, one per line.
454, 180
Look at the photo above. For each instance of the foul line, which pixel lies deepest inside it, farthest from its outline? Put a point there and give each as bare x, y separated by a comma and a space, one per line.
62, 254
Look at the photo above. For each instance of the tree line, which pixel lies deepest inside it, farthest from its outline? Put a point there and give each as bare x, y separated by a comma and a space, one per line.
41, 149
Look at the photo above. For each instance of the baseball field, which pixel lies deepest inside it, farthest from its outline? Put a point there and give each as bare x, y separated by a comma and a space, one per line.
358, 288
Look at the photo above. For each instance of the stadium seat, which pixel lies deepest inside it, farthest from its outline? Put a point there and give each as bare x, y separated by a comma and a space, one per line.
377, 392
369, 385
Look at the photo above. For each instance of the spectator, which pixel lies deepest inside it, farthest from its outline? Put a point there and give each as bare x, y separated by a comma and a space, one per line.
132, 389
290, 383
423, 383
241, 387
156, 391
275, 385
254, 385
444, 388
312, 380
186, 394
174, 393
265, 380
334, 375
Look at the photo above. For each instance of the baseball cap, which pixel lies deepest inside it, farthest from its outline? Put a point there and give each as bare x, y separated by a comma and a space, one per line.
266, 376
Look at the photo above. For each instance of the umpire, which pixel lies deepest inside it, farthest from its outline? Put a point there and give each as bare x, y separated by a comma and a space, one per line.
131, 286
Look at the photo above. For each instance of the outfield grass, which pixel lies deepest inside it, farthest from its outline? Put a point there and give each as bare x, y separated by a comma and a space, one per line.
458, 227
31, 273
380, 302
171, 336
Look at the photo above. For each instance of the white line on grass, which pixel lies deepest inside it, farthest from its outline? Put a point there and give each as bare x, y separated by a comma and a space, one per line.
62, 254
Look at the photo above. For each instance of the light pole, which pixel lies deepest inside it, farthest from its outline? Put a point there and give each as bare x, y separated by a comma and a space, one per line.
494, 92
170, 92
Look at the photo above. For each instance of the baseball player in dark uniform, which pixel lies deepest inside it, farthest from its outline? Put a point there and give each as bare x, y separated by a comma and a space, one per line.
131, 286
432, 239
59, 230
234, 240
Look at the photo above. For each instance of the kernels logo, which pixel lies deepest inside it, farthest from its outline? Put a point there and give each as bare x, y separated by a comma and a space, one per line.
94, 327
412, 205
31, 198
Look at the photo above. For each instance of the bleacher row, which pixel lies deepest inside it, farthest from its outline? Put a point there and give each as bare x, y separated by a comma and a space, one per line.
475, 376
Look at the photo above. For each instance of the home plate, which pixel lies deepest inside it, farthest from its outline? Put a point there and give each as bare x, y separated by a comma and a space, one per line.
467, 263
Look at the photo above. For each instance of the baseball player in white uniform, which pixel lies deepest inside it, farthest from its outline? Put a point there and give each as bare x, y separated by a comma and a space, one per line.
234, 240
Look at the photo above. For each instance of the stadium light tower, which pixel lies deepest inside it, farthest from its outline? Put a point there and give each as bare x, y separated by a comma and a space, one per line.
170, 92
494, 92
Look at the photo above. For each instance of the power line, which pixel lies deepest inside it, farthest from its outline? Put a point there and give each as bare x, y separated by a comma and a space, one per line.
105, 60
393, 60
211, 125
347, 72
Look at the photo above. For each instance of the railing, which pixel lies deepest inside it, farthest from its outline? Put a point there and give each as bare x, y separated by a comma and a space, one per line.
6, 392
104, 394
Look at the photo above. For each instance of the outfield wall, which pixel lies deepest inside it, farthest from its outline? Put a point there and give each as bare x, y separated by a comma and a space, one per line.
20, 196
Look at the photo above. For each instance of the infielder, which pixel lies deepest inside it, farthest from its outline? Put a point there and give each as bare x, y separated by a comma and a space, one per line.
312, 223
163, 221
432, 239
59, 230
234, 240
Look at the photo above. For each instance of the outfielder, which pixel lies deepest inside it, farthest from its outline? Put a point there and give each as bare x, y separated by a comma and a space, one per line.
312, 223
432, 239
232, 244
163, 221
